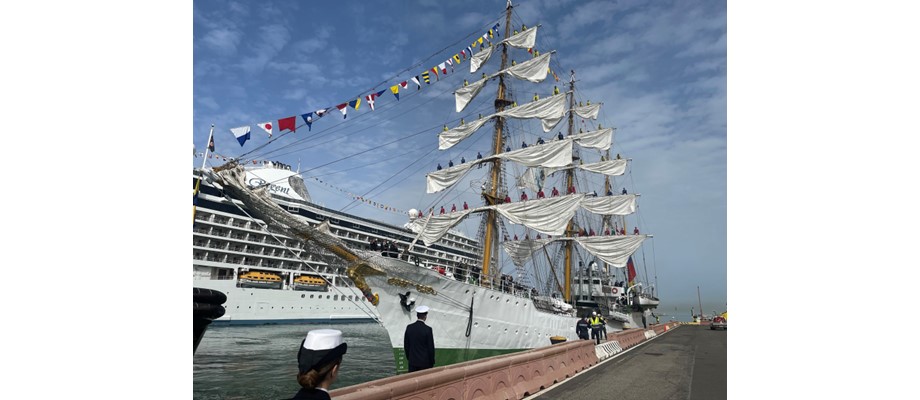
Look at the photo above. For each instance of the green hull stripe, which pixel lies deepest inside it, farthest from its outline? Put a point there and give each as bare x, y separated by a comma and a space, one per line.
450, 356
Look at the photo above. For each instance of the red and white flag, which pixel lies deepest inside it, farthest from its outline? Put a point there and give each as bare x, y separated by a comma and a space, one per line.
344, 109
370, 100
267, 126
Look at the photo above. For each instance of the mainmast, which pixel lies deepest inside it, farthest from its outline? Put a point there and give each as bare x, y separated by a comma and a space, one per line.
491, 235
569, 182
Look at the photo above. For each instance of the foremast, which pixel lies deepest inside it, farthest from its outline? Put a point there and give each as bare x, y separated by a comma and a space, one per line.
570, 182
500, 104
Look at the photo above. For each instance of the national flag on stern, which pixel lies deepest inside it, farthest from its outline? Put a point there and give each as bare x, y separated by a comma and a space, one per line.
631, 270
287, 123
211, 143
241, 134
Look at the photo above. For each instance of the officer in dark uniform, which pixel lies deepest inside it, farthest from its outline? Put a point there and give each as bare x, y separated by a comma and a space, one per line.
419, 342
581, 328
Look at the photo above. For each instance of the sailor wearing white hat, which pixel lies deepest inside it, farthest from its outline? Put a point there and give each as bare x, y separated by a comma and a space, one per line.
318, 360
418, 342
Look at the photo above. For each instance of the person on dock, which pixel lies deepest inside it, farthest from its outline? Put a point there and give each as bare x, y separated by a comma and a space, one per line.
581, 328
318, 361
597, 325
418, 342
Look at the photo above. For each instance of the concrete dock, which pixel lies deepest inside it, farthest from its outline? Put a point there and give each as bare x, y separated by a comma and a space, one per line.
686, 363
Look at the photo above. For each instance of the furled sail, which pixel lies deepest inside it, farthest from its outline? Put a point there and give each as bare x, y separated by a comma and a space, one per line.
549, 110
534, 70
523, 40
553, 154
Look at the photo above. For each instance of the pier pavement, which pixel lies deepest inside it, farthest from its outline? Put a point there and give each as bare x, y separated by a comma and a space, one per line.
686, 363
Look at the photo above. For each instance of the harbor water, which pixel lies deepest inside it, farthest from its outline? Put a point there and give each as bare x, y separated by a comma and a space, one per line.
260, 362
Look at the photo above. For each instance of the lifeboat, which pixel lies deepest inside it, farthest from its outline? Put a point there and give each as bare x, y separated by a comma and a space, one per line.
311, 283
260, 279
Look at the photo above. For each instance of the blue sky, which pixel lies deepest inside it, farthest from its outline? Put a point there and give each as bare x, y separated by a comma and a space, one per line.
659, 68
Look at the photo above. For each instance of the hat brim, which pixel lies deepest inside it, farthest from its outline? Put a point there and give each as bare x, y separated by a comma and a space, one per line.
315, 359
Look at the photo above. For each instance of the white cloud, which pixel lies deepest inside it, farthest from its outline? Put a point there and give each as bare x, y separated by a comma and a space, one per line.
222, 40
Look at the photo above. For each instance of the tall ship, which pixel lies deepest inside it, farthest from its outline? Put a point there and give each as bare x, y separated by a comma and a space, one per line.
540, 261
270, 277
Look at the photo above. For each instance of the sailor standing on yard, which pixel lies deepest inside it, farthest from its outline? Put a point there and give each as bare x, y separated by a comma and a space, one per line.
597, 324
419, 342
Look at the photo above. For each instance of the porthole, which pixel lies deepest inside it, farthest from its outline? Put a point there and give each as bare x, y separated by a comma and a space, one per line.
475, 324
489, 326
311, 296
304, 296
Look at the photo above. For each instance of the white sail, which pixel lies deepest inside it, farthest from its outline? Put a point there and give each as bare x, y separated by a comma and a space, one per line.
534, 177
548, 216
553, 154
588, 111
435, 226
610, 168
463, 95
614, 250
600, 139
549, 110
521, 251
443, 179
480, 58
449, 138
534, 70
523, 40
610, 205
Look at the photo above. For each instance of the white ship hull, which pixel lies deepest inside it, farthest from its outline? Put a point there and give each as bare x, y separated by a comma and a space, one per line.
253, 306
500, 322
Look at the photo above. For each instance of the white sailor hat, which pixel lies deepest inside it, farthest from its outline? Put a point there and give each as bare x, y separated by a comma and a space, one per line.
421, 309
319, 348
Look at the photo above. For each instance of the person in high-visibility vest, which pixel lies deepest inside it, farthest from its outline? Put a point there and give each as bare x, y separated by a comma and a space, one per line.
596, 325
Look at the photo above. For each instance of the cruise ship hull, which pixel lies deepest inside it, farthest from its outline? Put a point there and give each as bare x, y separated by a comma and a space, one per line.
258, 306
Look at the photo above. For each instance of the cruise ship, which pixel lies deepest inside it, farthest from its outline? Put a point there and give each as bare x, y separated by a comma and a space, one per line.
271, 278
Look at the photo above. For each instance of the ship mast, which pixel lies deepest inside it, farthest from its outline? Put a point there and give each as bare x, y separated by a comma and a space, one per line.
491, 234
569, 182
